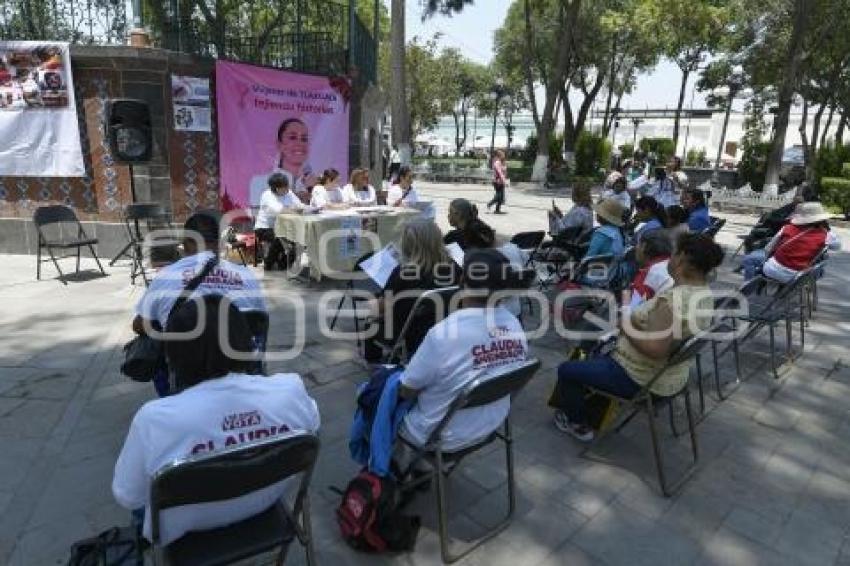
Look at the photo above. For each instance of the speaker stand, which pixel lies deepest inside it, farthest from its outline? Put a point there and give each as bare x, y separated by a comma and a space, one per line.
124, 251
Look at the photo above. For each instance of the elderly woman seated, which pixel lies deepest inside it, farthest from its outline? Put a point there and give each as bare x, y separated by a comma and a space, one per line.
648, 337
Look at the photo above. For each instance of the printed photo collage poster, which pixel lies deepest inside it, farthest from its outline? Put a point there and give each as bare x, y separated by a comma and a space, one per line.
39, 130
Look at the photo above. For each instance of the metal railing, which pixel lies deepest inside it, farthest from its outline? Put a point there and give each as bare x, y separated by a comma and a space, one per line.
102, 22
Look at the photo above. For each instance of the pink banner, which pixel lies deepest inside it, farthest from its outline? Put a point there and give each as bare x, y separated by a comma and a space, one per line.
277, 121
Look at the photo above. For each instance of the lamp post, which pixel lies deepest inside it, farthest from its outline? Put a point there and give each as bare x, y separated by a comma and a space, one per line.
497, 93
733, 88
637, 122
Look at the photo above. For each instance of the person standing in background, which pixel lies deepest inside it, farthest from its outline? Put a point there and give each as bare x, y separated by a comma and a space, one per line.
500, 180
395, 165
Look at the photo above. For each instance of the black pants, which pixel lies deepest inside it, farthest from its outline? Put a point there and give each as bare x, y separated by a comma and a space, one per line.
276, 253
394, 169
498, 197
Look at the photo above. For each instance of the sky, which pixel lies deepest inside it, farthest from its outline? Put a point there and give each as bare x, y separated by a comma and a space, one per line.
472, 32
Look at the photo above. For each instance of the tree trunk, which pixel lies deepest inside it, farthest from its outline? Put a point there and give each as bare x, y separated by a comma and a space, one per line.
816, 133
804, 137
458, 142
686, 73
606, 126
790, 78
828, 124
569, 127
839, 133
398, 87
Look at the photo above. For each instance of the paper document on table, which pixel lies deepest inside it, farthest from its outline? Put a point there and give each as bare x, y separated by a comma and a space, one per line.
456, 252
381, 265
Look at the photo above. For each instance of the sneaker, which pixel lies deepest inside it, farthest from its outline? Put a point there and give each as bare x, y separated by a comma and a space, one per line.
582, 433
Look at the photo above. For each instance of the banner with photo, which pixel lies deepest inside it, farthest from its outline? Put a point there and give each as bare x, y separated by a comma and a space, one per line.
190, 97
39, 131
277, 121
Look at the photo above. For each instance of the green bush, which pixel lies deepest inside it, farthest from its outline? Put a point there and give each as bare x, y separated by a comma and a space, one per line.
845, 170
663, 148
835, 191
695, 157
753, 165
593, 153
830, 161
556, 144
627, 150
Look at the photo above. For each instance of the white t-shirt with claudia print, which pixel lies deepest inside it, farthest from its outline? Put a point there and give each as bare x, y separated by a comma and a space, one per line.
468, 344
219, 413
236, 282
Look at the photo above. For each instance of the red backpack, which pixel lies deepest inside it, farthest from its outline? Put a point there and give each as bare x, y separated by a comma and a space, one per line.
369, 519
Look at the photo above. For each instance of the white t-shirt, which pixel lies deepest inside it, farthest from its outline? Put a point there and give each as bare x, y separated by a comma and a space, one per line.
455, 352
364, 197
322, 197
658, 279
212, 415
235, 281
260, 183
396, 192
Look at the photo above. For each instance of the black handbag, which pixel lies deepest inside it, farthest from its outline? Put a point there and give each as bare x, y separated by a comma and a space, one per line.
143, 355
118, 546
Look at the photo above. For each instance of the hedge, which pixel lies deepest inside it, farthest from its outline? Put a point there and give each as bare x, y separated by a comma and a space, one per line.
835, 191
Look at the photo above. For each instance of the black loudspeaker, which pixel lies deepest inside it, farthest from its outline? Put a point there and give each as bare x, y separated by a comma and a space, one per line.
128, 128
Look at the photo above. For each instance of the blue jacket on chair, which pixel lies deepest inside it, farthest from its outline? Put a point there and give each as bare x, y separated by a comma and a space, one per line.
377, 420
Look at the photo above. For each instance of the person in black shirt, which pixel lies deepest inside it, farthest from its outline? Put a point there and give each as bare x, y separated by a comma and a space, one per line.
461, 213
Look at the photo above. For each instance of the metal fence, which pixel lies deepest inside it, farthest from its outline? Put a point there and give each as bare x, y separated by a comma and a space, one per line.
316, 36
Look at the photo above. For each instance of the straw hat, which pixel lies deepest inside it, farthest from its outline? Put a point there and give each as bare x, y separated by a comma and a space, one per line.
809, 213
613, 178
611, 210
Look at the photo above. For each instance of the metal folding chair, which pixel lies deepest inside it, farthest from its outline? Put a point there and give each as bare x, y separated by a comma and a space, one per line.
69, 234
646, 401
714, 227
228, 474
529, 242
430, 307
480, 392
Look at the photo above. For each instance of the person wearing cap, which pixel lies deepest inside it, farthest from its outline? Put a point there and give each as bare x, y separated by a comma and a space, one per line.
795, 246
472, 343
693, 201
200, 244
277, 199
615, 188
607, 238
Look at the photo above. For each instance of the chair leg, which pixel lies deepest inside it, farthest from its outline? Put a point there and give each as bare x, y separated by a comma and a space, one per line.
78, 259
56, 264
309, 549
700, 388
38, 261
97, 261
338, 308
656, 448
735, 348
691, 426
509, 458
773, 351
442, 518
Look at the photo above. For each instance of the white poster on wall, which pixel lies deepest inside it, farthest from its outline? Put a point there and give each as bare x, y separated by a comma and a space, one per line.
191, 99
39, 131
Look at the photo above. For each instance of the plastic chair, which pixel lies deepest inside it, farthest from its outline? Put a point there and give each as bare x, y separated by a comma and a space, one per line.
60, 215
480, 392
228, 474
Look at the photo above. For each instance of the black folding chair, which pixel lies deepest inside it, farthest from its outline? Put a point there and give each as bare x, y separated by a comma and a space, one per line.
228, 474
154, 218
67, 233
529, 242
715, 227
646, 401
479, 393
430, 307
564, 249
258, 322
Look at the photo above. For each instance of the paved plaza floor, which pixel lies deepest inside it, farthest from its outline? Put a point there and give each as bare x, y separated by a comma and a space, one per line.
773, 486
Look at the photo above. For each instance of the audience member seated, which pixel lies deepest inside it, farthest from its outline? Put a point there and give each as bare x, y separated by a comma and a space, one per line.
403, 193
328, 194
219, 405
461, 213
472, 343
579, 216
615, 188
275, 200
653, 254
478, 235
359, 192
663, 189
677, 222
423, 265
795, 246
651, 216
648, 338
693, 201
201, 245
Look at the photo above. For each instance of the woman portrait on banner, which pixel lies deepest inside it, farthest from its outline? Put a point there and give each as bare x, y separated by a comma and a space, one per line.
293, 153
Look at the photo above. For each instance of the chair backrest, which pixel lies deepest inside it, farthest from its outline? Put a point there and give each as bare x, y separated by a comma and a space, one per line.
258, 322
430, 307
820, 257
52, 214
144, 211
231, 473
589, 265
487, 390
528, 241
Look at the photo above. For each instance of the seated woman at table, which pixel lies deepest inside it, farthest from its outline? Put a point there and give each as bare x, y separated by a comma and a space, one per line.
403, 193
275, 200
359, 192
328, 194
423, 265
647, 338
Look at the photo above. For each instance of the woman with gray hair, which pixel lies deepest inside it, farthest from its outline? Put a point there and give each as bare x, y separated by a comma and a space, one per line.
423, 265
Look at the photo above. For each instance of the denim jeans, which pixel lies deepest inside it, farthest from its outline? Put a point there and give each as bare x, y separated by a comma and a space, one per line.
752, 262
601, 373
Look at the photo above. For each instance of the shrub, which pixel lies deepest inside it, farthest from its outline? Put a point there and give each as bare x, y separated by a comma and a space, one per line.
845, 170
556, 143
695, 157
593, 153
835, 191
663, 148
830, 161
627, 150
753, 165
